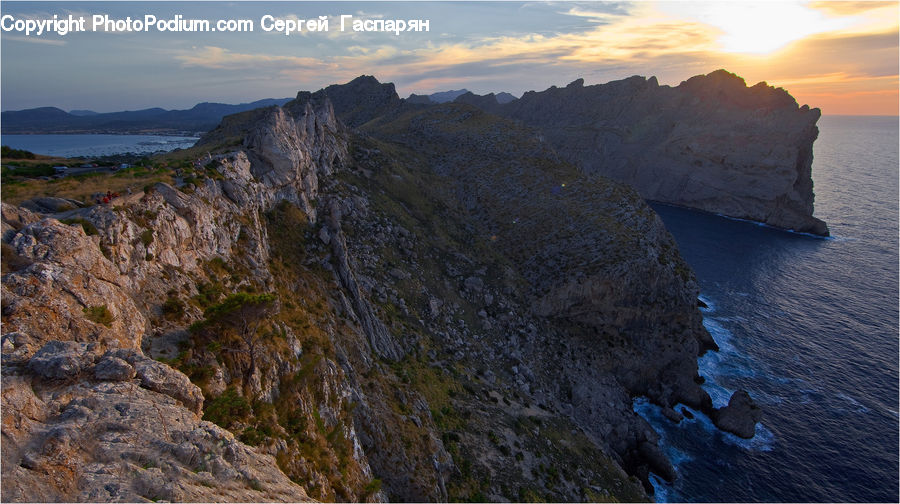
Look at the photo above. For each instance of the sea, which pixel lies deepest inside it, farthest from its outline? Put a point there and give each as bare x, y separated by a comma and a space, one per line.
96, 145
809, 327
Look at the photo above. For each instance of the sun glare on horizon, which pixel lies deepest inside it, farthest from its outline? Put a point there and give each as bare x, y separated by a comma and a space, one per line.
758, 28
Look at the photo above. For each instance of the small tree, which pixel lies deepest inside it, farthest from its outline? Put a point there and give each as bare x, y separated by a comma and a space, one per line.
238, 321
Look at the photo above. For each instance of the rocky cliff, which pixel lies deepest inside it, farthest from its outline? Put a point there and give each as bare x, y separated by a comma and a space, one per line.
711, 143
432, 307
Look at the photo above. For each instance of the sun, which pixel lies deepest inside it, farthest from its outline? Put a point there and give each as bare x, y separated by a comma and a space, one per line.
759, 27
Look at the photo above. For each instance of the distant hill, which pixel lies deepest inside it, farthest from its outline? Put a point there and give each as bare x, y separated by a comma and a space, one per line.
447, 96
504, 97
450, 96
201, 117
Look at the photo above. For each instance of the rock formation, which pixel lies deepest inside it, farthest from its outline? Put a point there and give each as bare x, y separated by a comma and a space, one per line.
711, 143
455, 314
739, 416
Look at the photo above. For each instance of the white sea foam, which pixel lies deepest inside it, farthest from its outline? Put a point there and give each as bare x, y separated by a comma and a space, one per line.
762, 440
662, 491
859, 408
710, 305
763, 224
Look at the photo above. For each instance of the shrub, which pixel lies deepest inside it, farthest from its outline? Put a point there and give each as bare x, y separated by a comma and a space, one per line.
226, 409
208, 294
173, 308
8, 152
147, 237
99, 315
89, 228
372, 487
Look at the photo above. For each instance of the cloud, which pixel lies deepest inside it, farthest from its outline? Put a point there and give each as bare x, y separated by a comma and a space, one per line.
34, 40
219, 58
849, 8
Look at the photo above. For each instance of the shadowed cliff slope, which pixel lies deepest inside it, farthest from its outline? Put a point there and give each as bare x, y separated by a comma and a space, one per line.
711, 143
434, 306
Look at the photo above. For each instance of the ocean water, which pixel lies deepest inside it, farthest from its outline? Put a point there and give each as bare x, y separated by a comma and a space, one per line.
96, 145
809, 327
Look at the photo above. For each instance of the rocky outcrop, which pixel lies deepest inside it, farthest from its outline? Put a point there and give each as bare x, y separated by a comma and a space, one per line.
711, 143
614, 301
740, 416
488, 102
85, 303
78, 426
360, 100
437, 308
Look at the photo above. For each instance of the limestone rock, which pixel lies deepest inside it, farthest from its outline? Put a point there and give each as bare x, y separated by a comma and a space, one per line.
61, 360
50, 205
113, 369
113, 441
161, 378
711, 143
740, 416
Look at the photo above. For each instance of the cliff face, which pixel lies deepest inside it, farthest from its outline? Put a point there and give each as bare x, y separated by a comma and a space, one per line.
711, 143
435, 307
89, 415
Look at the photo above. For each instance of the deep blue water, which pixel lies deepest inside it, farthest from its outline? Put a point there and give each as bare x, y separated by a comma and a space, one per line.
809, 327
96, 145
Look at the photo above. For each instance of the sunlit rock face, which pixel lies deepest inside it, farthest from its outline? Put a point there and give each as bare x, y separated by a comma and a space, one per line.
711, 143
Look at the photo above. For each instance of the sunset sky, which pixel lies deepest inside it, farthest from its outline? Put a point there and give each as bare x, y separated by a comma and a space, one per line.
839, 56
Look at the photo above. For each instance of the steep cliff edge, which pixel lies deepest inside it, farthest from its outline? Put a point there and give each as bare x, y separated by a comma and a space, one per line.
711, 143
434, 307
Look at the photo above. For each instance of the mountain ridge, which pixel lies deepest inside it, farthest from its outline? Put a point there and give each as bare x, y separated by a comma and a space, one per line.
436, 306
201, 117
711, 143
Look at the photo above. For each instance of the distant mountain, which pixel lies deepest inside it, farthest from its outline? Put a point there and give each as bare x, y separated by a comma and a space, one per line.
504, 97
447, 96
419, 99
450, 96
358, 101
488, 102
202, 117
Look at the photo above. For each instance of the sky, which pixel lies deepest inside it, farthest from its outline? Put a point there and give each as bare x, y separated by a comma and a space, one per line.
839, 56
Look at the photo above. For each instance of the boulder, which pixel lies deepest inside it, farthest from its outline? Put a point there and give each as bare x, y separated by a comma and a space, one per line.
740, 416
113, 369
161, 378
51, 205
59, 360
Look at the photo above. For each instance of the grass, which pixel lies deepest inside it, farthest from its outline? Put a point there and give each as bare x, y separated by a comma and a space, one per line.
99, 315
81, 187
88, 226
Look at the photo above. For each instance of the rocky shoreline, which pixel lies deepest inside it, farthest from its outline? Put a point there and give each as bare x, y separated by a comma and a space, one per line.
456, 313
711, 143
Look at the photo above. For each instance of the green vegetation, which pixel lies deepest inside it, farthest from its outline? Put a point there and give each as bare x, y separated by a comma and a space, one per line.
147, 237
237, 324
99, 315
8, 152
18, 172
18, 187
208, 293
173, 308
372, 487
226, 409
88, 226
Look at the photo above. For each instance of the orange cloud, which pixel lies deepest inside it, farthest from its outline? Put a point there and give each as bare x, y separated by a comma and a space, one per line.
845, 50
